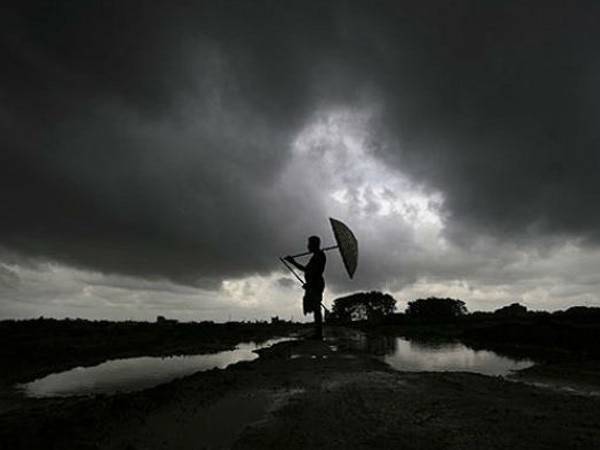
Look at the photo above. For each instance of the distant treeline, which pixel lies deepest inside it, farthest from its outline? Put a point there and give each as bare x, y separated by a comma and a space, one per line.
379, 307
513, 326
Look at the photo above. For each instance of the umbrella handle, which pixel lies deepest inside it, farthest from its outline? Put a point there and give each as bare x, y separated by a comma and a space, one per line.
291, 270
326, 249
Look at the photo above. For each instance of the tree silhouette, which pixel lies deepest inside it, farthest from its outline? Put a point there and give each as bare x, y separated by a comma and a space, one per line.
434, 307
513, 310
371, 306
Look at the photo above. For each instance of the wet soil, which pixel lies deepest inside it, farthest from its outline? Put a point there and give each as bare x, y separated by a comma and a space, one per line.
312, 394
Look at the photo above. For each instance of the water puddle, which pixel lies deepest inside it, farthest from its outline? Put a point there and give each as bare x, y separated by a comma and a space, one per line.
413, 355
134, 374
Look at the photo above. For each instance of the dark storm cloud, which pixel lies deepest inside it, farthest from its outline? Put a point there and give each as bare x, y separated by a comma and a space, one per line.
500, 118
87, 177
147, 137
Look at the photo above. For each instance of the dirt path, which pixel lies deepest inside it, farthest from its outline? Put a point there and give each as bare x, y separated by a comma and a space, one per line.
309, 394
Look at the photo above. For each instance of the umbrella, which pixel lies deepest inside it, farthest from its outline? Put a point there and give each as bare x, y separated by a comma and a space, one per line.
346, 243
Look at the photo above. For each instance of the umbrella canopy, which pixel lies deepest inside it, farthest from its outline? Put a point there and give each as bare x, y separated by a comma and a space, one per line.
347, 244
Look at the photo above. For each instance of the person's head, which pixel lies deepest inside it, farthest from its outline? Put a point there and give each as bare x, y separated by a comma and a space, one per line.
314, 243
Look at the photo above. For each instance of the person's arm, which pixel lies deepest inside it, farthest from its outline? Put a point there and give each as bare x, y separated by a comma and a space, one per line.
299, 266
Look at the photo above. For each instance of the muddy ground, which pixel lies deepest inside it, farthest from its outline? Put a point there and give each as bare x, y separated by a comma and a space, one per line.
311, 394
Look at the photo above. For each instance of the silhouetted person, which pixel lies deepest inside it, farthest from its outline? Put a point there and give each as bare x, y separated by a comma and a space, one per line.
314, 283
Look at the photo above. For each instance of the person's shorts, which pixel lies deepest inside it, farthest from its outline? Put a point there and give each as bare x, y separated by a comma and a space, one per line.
312, 300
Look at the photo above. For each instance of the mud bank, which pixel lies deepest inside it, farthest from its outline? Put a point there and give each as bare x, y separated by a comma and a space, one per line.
310, 394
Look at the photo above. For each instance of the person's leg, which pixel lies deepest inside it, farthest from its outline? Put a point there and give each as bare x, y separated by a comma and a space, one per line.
318, 322
306, 305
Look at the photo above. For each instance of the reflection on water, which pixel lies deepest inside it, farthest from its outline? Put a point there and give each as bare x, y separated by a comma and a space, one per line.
133, 374
438, 356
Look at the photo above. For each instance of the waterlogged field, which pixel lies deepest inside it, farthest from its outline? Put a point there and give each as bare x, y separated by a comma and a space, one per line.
135, 374
355, 389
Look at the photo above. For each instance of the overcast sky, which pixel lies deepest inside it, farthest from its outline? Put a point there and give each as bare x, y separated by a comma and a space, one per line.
158, 157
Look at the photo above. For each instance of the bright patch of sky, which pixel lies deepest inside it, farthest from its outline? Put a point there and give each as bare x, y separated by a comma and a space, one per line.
335, 148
